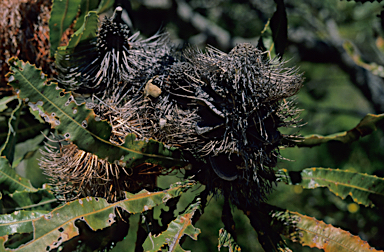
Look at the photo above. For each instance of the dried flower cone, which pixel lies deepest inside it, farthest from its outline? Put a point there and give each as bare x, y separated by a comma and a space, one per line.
75, 173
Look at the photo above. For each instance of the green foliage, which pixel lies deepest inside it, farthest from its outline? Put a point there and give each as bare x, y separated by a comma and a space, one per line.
361, 187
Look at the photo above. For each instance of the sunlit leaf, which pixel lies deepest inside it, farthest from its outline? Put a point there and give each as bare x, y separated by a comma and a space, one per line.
58, 226
5, 100
62, 15
315, 233
18, 222
226, 240
175, 231
341, 182
78, 124
366, 126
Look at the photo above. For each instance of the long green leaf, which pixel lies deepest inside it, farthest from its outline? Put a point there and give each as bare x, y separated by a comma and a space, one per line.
315, 233
361, 187
175, 231
18, 222
5, 100
62, 15
77, 123
58, 226
10, 181
366, 126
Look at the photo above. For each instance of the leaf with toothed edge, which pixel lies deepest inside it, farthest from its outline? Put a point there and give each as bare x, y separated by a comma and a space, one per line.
78, 123
315, 233
58, 226
361, 187
175, 231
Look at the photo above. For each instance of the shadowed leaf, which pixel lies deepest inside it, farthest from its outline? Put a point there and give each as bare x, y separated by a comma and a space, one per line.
58, 226
175, 231
366, 126
279, 27
78, 124
10, 181
315, 233
8, 147
341, 182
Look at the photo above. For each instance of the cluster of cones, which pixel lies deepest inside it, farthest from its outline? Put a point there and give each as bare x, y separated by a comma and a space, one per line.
223, 110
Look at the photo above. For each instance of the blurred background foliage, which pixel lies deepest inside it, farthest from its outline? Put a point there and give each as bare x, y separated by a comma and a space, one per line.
340, 47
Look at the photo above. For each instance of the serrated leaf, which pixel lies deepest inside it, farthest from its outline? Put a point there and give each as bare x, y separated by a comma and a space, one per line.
315, 233
10, 181
175, 231
58, 226
226, 240
63, 13
5, 100
87, 31
342, 183
77, 123
18, 222
366, 126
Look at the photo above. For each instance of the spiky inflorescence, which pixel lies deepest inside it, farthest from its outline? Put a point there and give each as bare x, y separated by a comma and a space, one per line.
241, 102
114, 62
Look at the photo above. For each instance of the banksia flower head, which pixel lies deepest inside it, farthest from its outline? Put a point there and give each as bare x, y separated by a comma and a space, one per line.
114, 61
240, 98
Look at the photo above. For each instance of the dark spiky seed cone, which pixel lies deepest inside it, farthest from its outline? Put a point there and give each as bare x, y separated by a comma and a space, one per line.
114, 62
241, 102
